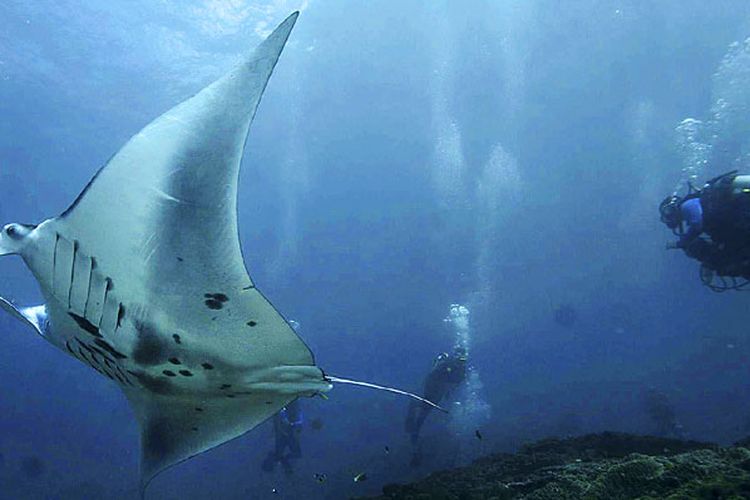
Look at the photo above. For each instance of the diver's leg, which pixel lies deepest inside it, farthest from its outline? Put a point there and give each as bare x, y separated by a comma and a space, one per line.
281, 441
294, 448
422, 413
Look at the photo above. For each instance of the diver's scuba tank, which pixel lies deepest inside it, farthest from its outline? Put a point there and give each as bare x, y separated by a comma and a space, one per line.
741, 185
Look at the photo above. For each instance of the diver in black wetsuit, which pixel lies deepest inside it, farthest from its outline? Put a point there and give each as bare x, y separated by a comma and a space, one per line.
287, 425
713, 226
448, 372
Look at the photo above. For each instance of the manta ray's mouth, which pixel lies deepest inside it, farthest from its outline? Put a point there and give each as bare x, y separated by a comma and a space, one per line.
304, 380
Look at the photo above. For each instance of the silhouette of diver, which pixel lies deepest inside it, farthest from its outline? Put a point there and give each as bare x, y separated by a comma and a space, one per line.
661, 412
287, 425
447, 373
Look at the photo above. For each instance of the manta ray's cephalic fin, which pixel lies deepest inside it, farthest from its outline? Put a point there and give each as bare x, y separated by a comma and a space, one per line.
31, 316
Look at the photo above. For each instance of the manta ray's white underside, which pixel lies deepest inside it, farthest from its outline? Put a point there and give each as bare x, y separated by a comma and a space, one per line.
144, 280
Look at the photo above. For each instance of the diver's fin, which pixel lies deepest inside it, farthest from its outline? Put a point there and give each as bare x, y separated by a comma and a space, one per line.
175, 428
337, 380
32, 316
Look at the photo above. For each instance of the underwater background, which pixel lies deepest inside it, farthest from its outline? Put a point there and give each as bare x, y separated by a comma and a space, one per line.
508, 156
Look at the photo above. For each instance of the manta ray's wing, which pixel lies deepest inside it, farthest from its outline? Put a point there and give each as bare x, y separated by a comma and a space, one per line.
32, 316
148, 259
161, 219
174, 430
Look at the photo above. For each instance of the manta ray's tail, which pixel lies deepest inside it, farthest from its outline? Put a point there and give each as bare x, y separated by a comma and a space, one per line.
337, 380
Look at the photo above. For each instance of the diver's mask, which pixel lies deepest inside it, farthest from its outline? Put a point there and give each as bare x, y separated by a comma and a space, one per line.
669, 210
442, 357
460, 354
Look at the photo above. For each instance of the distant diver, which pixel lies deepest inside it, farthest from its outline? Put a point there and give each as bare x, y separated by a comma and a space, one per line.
661, 412
713, 227
287, 425
447, 373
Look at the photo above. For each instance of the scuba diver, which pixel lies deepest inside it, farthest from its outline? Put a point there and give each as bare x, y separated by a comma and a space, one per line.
447, 373
713, 227
287, 425
661, 412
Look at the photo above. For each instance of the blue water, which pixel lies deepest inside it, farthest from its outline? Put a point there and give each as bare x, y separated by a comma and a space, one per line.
508, 156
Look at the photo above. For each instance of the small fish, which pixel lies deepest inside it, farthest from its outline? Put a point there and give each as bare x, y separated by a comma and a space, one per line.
478, 434
387, 450
321, 478
360, 477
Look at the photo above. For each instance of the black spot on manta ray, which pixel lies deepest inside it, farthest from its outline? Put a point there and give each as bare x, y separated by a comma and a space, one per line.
207, 366
169, 373
174, 361
230, 396
215, 300
252, 323
194, 429
111, 350
86, 325
180, 259
213, 304
198, 409
268, 402
186, 373
225, 386
177, 339
216, 296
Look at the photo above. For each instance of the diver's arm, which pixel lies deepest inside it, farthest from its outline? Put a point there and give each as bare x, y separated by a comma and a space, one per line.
692, 214
694, 230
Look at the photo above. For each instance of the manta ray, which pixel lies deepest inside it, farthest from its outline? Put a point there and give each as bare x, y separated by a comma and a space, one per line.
144, 280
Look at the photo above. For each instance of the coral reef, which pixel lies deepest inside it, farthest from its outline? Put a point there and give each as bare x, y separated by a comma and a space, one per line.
597, 466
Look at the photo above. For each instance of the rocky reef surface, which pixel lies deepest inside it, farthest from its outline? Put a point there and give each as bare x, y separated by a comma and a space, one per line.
595, 466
